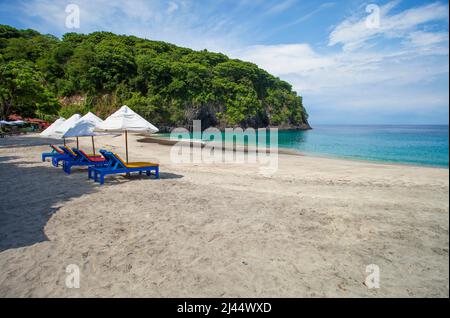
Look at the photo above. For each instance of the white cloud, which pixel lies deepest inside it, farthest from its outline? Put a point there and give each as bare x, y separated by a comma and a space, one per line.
353, 32
427, 39
284, 59
312, 73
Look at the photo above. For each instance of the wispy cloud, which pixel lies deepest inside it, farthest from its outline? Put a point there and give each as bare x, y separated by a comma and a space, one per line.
280, 6
353, 32
309, 15
427, 40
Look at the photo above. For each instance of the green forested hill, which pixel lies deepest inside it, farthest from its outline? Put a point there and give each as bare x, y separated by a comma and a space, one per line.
41, 75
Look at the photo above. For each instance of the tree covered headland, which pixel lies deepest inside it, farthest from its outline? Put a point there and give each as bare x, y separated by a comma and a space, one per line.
43, 76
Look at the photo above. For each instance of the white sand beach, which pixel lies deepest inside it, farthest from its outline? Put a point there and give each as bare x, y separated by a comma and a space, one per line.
220, 230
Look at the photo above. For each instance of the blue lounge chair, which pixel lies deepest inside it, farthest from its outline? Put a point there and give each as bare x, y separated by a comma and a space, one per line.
68, 154
55, 152
116, 165
82, 159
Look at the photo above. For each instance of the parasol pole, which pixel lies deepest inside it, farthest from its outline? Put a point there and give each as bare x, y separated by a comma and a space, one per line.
126, 144
93, 146
64, 139
77, 143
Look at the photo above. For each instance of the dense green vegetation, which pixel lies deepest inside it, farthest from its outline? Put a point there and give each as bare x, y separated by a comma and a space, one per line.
44, 76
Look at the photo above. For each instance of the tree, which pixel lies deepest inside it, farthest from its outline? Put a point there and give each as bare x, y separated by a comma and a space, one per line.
22, 91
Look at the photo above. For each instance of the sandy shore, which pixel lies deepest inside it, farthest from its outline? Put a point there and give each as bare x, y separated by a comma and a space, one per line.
221, 230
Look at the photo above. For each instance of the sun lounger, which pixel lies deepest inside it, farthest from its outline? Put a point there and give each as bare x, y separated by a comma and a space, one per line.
116, 165
55, 152
82, 159
67, 154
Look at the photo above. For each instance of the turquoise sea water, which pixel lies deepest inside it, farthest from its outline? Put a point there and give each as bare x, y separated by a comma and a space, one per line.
420, 145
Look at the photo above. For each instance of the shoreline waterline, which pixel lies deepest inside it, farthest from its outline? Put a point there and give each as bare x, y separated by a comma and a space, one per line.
166, 141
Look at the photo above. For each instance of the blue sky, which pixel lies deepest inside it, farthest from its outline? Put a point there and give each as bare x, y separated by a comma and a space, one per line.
387, 65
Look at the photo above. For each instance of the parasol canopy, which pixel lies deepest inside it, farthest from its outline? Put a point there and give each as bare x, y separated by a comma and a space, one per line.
125, 120
84, 127
51, 130
69, 123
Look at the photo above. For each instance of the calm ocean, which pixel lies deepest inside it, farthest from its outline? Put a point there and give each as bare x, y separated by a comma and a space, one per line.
420, 145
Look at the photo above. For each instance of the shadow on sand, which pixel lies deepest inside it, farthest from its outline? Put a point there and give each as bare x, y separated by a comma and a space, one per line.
28, 141
29, 196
